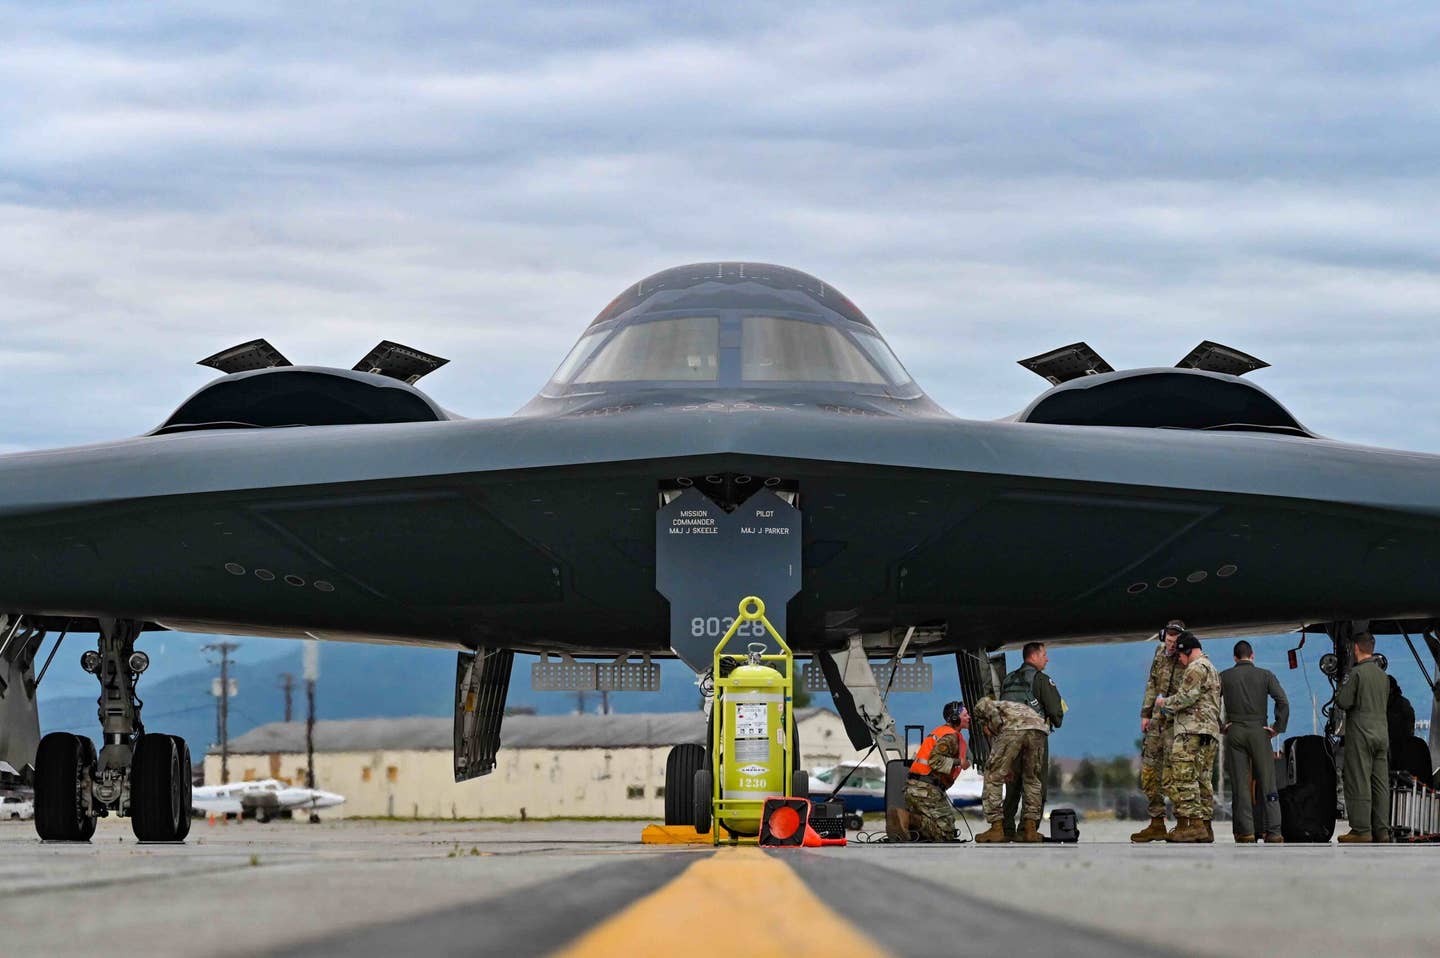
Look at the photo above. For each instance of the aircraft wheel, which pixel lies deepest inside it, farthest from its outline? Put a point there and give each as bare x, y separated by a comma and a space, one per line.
704, 796
680, 768
87, 759
63, 764
854, 822
187, 786
314, 819
159, 789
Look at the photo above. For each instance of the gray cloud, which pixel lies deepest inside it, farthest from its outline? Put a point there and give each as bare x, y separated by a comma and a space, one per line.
986, 180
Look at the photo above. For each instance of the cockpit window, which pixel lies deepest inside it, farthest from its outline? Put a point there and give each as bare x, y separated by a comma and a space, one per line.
792, 350
578, 355
685, 349
877, 349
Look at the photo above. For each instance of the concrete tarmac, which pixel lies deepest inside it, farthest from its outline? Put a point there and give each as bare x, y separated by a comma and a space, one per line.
582, 889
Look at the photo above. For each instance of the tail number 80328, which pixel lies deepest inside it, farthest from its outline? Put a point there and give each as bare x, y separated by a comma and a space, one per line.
715, 626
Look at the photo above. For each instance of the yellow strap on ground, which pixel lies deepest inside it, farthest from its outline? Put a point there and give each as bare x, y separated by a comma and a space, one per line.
674, 835
739, 901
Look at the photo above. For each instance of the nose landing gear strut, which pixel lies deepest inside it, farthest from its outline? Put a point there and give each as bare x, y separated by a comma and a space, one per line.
141, 774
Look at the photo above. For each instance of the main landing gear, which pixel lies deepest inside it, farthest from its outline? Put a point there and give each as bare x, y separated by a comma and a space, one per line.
144, 775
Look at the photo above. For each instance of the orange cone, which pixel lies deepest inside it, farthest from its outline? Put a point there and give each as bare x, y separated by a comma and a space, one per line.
813, 839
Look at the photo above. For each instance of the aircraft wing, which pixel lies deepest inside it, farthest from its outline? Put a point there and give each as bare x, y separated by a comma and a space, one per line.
216, 806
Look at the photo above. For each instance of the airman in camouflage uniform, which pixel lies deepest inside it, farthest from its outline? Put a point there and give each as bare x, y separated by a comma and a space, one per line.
932, 817
1195, 714
1165, 672
940, 760
1018, 746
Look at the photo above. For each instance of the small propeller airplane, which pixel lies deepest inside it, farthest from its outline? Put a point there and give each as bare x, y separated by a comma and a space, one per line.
263, 799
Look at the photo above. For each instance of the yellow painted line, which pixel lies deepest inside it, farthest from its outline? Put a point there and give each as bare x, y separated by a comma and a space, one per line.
737, 902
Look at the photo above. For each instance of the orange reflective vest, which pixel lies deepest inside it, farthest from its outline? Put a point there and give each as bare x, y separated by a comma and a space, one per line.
921, 765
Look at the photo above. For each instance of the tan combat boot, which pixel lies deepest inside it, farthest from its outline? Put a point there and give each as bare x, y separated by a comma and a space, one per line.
1154, 832
1354, 836
1031, 832
1209, 832
1275, 839
1181, 824
1245, 839
995, 833
1189, 831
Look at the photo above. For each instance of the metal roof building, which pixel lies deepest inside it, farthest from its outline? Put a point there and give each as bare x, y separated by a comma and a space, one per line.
548, 765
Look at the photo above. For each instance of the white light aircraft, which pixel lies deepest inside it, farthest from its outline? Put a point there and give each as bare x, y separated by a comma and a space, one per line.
265, 798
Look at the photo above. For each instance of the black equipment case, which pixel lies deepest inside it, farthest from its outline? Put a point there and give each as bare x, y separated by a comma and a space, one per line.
1307, 802
1063, 825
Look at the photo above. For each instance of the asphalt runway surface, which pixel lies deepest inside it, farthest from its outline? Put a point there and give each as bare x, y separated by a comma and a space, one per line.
581, 889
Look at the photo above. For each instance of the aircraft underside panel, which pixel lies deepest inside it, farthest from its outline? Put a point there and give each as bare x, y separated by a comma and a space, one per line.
432, 548
1030, 548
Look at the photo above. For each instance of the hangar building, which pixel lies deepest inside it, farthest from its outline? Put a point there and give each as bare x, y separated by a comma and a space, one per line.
548, 766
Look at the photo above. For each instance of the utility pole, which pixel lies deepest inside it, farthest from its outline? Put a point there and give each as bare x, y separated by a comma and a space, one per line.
312, 673
223, 691
287, 682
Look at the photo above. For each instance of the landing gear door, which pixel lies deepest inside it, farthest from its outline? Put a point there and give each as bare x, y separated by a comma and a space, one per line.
482, 681
979, 676
707, 560
19, 709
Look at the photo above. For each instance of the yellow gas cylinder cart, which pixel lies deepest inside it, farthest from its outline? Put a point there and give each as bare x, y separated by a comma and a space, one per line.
753, 733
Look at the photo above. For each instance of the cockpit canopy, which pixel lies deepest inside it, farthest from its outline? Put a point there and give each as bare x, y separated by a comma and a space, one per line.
733, 324
771, 349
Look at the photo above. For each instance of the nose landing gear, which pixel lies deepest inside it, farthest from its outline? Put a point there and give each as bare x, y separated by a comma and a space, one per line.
143, 775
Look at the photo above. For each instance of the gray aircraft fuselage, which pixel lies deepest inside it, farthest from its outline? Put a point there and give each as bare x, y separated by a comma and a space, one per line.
537, 531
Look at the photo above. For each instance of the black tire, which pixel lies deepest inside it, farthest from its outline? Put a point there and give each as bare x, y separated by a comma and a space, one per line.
314, 818
187, 787
61, 762
680, 767
800, 784
709, 740
159, 790
704, 796
854, 822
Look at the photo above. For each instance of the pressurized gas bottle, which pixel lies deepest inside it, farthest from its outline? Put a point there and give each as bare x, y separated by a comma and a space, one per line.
755, 749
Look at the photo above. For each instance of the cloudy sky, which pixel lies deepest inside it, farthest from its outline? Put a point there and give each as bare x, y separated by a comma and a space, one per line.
986, 180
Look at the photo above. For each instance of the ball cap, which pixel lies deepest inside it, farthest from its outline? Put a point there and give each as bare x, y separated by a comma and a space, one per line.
1187, 642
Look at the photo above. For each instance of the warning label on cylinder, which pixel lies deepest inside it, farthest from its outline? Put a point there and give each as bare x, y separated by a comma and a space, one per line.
752, 721
751, 750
